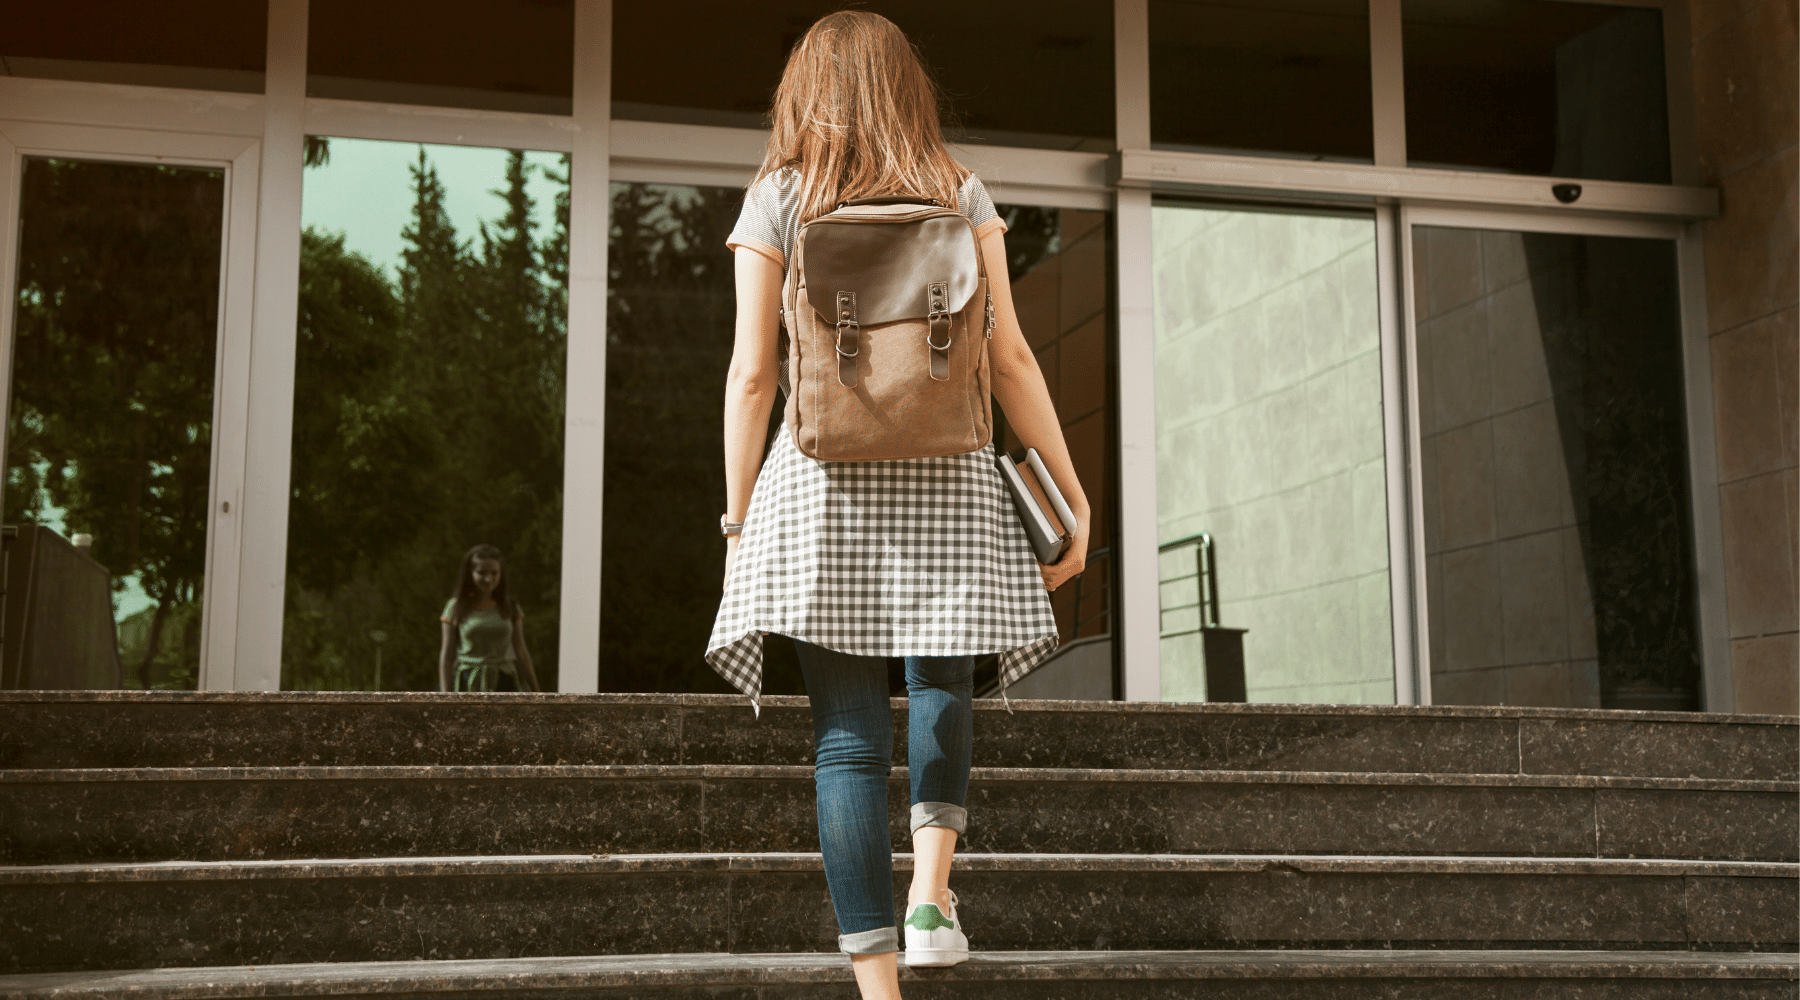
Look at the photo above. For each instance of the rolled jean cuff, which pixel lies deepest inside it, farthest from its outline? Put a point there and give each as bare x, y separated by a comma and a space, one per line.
940, 814
879, 941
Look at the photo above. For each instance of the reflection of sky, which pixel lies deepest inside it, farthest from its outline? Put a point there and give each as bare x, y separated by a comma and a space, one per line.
365, 192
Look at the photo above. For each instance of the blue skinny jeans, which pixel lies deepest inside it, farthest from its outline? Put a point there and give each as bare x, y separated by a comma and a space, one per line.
853, 739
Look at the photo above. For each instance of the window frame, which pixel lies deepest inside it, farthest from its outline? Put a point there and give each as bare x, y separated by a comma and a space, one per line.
244, 652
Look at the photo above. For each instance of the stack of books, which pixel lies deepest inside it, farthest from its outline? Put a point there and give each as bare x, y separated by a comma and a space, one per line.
1049, 523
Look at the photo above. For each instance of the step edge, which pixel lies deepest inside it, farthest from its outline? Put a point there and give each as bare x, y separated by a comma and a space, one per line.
800, 701
716, 968
800, 772
749, 862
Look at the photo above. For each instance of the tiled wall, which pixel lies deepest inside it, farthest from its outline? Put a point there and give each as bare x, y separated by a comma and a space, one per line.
1746, 91
1269, 437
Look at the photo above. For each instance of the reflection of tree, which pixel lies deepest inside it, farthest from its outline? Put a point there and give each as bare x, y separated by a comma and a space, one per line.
427, 417
670, 306
112, 385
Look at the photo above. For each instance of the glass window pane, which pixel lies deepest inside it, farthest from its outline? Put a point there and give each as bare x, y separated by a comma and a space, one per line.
1048, 85
1058, 265
1290, 77
428, 411
671, 306
1551, 411
1269, 439
109, 434
507, 55
671, 302
195, 44
1537, 87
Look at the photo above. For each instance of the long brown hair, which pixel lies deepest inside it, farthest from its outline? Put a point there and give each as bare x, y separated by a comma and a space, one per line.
857, 115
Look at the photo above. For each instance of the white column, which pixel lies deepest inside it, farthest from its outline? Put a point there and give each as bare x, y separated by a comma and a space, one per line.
256, 663
1406, 555
1405, 514
1139, 628
584, 446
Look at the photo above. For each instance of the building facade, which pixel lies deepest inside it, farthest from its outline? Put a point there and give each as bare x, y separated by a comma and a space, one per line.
1411, 351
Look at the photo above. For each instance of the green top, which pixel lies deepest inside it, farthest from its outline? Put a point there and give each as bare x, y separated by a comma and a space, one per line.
486, 638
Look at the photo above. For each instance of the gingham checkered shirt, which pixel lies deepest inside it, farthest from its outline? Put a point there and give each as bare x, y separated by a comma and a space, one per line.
914, 557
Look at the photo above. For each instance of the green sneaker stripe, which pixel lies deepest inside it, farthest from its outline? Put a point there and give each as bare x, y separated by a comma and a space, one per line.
926, 921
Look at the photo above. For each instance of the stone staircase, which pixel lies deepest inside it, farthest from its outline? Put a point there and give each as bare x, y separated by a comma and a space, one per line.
167, 846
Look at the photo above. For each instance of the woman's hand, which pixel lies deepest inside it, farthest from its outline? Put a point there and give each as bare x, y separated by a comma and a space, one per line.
731, 544
1070, 565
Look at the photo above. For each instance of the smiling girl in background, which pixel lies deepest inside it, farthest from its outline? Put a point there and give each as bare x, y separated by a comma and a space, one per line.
484, 630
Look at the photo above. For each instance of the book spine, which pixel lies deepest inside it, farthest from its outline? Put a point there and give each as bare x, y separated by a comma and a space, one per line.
1032, 482
1055, 497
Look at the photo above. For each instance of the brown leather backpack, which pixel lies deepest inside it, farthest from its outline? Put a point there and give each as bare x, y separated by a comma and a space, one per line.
886, 319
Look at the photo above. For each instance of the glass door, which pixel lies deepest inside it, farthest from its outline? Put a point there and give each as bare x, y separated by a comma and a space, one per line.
1557, 524
115, 341
1271, 456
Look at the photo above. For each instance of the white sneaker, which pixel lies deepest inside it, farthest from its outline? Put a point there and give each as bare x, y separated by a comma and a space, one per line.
934, 938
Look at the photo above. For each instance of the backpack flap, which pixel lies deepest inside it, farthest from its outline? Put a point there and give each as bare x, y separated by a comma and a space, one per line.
870, 268
890, 265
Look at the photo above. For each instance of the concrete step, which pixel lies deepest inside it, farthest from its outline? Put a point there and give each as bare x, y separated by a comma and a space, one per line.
1215, 975
124, 916
156, 814
87, 729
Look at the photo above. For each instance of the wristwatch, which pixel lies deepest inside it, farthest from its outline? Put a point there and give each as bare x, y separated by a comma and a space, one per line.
727, 527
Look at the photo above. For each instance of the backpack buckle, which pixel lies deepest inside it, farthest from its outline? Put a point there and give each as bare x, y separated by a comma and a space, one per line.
935, 320
847, 328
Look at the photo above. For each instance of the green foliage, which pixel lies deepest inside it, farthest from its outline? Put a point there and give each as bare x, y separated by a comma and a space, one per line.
670, 305
428, 417
112, 382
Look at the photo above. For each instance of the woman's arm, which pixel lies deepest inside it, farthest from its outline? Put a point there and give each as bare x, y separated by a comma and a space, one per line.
446, 657
751, 384
523, 655
1019, 386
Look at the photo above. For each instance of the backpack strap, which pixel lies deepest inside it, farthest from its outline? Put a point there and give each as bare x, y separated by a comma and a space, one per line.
891, 199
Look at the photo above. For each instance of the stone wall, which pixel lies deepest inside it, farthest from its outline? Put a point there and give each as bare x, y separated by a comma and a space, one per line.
1746, 91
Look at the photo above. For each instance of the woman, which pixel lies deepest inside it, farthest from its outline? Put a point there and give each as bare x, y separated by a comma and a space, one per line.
860, 561
484, 630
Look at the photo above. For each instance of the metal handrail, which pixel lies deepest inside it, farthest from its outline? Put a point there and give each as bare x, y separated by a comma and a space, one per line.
1206, 583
